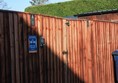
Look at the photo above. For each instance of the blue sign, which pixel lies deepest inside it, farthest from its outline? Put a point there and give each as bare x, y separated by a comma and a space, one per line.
32, 39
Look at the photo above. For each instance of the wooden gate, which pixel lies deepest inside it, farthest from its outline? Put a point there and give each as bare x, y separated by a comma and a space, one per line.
55, 50
75, 51
17, 64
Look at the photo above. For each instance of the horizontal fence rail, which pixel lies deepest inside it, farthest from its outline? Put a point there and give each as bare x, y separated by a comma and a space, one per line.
73, 51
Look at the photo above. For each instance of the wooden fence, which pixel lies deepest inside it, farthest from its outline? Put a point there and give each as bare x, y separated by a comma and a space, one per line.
75, 51
110, 16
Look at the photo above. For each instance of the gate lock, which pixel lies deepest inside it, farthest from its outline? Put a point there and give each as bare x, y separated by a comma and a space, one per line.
42, 42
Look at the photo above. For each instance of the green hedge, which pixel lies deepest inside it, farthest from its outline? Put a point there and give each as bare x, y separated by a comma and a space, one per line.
73, 7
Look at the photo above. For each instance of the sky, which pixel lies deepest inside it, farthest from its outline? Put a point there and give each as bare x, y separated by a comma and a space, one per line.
20, 5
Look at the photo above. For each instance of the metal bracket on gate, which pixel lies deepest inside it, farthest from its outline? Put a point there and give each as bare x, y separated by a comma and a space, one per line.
65, 52
67, 23
32, 19
42, 42
88, 23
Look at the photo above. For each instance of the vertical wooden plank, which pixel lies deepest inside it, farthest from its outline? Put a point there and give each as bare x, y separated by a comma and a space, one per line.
13, 77
5, 44
60, 66
1, 35
25, 45
7, 47
44, 51
82, 29
80, 46
115, 33
108, 54
111, 25
93, 47
85, 50
51, 49
105, 51
74, 52
54, 56
48, 48
111, 76
33, 32
68, 48
116, 37
112, 49
93, 52
72, 55
16, 47
54, 50
96, 58
89, 58
37, 54
69, 54
60, 58
8, 52
57, 51
2, 53
50, 58
29, 57
60, 49
76, 77
20, 34
101, 52
40, 49
65, 55
81, 51
77, 56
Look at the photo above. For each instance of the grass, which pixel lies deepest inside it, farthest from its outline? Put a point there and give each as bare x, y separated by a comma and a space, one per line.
73, 7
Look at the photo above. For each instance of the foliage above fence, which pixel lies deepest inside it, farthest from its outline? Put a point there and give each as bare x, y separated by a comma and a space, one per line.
73, 7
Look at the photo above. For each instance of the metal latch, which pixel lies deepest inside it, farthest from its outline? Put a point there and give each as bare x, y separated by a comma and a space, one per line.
65, 52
